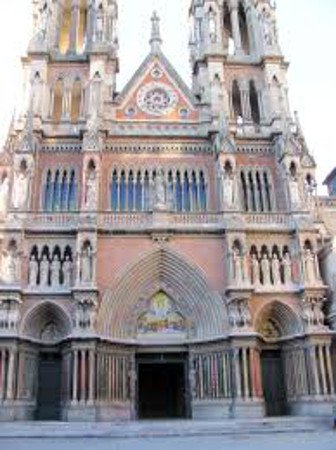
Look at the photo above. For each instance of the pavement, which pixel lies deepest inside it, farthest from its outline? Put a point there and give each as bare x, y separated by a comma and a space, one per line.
271, 434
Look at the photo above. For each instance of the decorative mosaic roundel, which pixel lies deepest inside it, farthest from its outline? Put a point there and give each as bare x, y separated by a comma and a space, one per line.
157, 99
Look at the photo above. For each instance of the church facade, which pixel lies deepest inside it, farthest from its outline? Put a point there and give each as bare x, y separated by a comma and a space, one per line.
163, 250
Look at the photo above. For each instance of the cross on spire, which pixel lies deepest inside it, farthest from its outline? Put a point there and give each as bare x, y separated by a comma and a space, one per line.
155, 40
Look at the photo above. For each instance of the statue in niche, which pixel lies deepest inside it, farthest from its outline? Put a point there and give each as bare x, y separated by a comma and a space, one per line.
161, 317
309, 264
100, 24
276, 270
37, 93
265, 270
212, 19
287, 268
237, 265
198, 30
10, 267
67, 271
160, 203
55, 269
228, 189
255, 269
4, 190
33, 271
294, 189
20, 187
112, 14
86, 264
245, 313
318, 313
44, 271
91, 191
269, 28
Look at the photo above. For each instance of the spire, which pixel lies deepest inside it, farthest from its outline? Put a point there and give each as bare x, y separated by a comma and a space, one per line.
155, 40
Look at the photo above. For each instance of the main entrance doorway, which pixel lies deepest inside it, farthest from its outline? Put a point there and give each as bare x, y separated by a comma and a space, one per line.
162, 386
49, 387
273, 383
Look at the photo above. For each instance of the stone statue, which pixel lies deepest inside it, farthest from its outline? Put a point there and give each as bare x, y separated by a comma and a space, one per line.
67, 271
309, 264
44, 271
160, 203
4, 189
9, 267
228, 190
37, 93
255, 270
237, 266
294, 190
212, 27
55, 269
86, 265
287, 268
91, 191
33, 271
265, 270
276, 270
112, 14
269, 29
100, 24
20, 190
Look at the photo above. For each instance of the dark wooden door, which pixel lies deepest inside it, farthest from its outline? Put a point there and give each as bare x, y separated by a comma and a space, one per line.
49, 387
274, 383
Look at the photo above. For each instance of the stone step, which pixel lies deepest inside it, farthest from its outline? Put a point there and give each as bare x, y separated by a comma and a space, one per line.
147, 429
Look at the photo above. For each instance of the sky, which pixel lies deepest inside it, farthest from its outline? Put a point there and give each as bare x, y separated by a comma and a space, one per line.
307, 31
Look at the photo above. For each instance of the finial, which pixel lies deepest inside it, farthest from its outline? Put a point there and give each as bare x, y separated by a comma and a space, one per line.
155, 40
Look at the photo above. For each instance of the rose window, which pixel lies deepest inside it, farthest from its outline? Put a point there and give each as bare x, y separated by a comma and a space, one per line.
157, 99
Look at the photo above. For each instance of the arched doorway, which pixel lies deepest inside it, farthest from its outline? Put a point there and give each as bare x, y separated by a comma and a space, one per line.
48, 324
277, 323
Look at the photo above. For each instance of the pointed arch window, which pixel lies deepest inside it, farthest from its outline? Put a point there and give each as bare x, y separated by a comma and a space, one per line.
114, 191
254, 102
138, 193
236, 100
131, 191
203, 192
58, 101
60, 191
186, 193
76, 101
64, 39
123, 192
178, 192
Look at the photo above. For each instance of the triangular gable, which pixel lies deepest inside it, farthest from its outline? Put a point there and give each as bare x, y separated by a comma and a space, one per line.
156, 93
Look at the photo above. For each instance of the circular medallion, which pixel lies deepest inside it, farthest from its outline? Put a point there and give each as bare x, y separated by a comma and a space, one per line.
156, 99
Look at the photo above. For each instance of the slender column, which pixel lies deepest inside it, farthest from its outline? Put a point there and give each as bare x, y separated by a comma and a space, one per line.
83, 376
245, 370
134, 191
237, 373
10, 375
323, 371
236, 28
74, 26
92, 372
315, 372
245, 100
75, 377
329, 369
3, 368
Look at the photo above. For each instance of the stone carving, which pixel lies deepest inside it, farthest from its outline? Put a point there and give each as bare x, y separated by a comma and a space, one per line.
159, 201
312, 312
228, 189
309, 266
100, 24
265, 270
86, 275
240, 314
4, 190
9, 314
161, 317
33, 271
85, 315
212, 19
255, 270
50, 333
44, 271
20, 188
91, 194
55, 269
67, 271
269, 29
276, 274
294, 190
287, 268
10, 266
157, 99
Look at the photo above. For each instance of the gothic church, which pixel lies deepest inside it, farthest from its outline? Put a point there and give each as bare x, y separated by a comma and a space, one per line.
162, 251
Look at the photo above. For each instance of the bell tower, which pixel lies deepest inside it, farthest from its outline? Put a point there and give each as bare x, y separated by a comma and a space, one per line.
237, 65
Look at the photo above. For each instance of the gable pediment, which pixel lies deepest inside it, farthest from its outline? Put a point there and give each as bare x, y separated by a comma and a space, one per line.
156, 93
